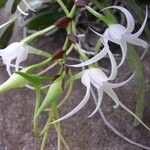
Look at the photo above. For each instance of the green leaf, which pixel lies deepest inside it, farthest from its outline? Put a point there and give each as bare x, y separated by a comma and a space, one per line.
136, 66
32, 78
4, 39
43, 20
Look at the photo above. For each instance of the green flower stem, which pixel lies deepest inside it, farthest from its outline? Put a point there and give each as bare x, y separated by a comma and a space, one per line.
73, 11
69, 30
63, 7
46, 129
98, 15
38, 65
37, 105
68, 92
36, 51
62, 138
67, 43
37, 34
58, 130
54, 64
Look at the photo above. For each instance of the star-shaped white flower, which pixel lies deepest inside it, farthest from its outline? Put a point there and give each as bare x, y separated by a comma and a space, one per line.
120, 35
14, 51
97, 78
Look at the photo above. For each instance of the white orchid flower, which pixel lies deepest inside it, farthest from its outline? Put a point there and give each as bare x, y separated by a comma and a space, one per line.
14, 51
99, 80
120, 35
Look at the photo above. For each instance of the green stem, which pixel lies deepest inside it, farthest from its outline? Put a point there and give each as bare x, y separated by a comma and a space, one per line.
98, 15
46, 129
39, 33
37, 105
63, 7
73, 11
41, 64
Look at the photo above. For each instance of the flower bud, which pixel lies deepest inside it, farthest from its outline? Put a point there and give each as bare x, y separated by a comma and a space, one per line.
15, 81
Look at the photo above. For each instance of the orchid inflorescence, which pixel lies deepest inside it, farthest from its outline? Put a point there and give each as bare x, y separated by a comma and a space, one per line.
93, 76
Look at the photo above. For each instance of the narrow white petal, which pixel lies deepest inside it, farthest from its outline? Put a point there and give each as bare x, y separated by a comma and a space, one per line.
100, 96
138, 33
117, 85
123, 46
129, 17
28, 6
21, 11
77, 108
109, 91
136, 41
113, 63
7, 63
5, 24
101, 35
94, 59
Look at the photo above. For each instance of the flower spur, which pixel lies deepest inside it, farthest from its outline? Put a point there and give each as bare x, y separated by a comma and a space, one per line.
120, 35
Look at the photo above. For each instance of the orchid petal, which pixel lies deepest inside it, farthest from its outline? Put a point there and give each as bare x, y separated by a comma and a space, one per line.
100, 96
23, 54
123, 46
14, 51
136, 41
138, 33
5, 24
97, 57
21, 11
129, 17
28, 6
105, 36
109, 91
8, 67
113, 63
97, 75
117, 85
86, 82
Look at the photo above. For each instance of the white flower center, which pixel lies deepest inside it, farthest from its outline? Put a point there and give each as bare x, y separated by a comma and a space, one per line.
97, 75
116, 31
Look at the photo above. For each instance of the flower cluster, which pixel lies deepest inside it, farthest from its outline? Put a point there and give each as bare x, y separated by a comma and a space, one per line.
93, 76
120, 35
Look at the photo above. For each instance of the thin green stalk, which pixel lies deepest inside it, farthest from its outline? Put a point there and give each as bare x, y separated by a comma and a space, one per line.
60, 2
73, 11
98, 15
37, 34
38, 65
46, 129
66, 96
37, 105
